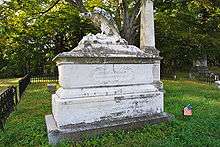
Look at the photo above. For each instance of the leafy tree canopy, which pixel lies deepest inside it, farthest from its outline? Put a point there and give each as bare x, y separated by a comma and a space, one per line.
34, 31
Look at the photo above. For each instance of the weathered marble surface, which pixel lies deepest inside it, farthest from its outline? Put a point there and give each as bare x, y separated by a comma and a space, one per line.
104, 20
93, 109
123, 82
103, 46
105, 81
85, 131
147, 33
93, 92
95, 75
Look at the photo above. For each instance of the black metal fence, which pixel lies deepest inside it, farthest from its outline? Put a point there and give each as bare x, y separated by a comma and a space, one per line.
44, 78
208, 78
8, 101
204, 77
23, 83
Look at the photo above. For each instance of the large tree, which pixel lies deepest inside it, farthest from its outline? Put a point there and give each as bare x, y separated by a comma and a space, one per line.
31, 37
32, 32
126, 13
185, 29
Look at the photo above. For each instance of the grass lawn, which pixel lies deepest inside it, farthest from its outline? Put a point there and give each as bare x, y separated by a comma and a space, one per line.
26, 126
4, 83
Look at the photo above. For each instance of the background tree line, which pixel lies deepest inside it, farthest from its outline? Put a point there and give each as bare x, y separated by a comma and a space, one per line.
32, 32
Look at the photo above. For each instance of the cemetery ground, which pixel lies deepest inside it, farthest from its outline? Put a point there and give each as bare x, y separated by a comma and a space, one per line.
26, 126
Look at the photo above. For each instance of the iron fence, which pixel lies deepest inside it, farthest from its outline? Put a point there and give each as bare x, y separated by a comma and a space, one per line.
208, 77
8, 101
203, 77
23, 83
44, 78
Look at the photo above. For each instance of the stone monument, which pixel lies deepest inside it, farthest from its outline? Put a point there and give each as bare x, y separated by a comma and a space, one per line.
200, 69
106, 84
200, 65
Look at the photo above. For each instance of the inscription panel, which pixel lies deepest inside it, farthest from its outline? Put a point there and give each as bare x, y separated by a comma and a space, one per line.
113, 75
87, 75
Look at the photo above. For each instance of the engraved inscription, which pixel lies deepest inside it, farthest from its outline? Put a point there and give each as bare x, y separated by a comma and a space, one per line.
114, 74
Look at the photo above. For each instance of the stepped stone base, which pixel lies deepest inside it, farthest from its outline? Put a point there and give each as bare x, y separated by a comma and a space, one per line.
80, 131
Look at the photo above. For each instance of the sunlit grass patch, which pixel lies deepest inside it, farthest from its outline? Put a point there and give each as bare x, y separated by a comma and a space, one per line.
4, 83
9, 81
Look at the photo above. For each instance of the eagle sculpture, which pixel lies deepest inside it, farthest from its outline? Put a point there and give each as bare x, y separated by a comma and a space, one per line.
104, 20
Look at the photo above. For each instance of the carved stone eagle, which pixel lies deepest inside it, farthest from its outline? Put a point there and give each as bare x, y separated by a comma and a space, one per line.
103, 20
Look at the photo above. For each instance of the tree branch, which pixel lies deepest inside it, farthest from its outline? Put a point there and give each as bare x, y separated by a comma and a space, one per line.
125, 11
51, 7
125, 17
136, 13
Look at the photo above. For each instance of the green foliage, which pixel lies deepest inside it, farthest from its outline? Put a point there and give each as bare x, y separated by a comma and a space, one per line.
187, 30
26, 126
30, 39
91, 4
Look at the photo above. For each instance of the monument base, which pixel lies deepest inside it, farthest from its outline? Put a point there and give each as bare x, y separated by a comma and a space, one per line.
79, 131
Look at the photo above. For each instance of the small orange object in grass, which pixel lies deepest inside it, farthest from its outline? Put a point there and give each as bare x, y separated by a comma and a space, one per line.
187, 111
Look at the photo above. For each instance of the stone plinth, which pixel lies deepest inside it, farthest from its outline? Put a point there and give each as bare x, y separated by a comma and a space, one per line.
87, 130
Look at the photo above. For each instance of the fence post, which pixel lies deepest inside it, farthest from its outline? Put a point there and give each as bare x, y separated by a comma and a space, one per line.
16, 96
23, 83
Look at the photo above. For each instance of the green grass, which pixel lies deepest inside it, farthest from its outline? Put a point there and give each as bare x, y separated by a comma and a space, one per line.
4, 83
26, 126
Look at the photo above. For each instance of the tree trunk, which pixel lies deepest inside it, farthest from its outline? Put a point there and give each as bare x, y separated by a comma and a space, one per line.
129, 35
130, 20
